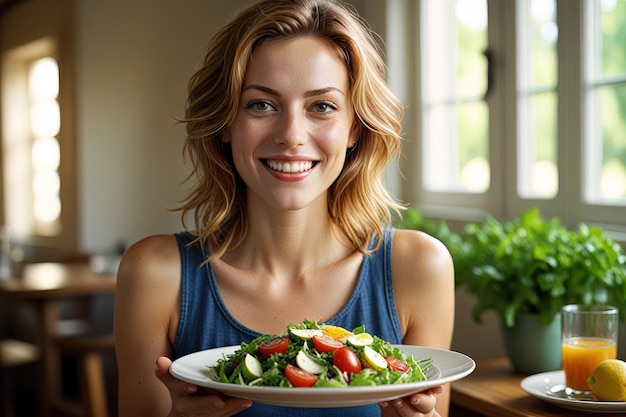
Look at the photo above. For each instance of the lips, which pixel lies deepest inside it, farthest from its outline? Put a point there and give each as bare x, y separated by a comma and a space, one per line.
289, 166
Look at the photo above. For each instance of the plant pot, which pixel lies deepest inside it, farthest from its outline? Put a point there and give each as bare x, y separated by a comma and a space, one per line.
532, 346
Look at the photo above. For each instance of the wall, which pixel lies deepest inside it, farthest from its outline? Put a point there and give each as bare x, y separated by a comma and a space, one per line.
134, 60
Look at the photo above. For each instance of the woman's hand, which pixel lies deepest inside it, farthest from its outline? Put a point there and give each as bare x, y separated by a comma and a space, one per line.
188, 400
421, 404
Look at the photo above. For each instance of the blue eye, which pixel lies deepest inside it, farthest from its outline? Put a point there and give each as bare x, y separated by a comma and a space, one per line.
324, 107
260, 105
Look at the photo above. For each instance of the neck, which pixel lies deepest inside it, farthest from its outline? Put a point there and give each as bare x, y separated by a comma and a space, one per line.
291, 242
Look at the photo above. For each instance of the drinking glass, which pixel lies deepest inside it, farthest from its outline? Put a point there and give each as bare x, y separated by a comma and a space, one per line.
588, 337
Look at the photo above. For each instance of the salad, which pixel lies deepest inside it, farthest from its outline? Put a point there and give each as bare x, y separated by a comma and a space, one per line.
317, 355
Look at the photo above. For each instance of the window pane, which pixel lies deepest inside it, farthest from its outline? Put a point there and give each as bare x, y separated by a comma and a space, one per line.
537, 102
455, 124
612, 179
46, 158
540, 24
605, 150
45, 118
613, 23
46, 154
44, 79
473, 158
45, 162
538, 172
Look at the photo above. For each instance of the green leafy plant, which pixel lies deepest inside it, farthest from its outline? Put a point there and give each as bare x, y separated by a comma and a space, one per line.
535, 266
531, 265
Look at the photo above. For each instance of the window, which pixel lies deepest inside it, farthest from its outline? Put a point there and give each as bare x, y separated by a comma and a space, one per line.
43, 83
523, 104
30, 141
38, 176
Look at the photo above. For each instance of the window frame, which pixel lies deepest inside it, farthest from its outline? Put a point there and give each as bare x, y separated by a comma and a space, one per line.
502, 199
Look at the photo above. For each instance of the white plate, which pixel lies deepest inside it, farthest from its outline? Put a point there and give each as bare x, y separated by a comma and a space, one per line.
447, 366
549, 387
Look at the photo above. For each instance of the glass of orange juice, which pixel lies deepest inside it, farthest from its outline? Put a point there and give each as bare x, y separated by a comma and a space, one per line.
589, 336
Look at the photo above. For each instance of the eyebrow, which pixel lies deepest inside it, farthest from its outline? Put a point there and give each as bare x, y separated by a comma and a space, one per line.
309, 93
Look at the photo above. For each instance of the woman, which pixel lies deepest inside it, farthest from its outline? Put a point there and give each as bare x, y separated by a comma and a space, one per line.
290, 127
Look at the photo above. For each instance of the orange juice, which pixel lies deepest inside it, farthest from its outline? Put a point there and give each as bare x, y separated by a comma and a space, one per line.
580, 358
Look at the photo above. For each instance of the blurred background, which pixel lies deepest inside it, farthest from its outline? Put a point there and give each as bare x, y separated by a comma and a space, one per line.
509, 105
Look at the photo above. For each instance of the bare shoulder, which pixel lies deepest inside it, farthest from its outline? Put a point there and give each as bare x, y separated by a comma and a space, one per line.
148, 285
423, 276
414, 249
152, 249
153, 256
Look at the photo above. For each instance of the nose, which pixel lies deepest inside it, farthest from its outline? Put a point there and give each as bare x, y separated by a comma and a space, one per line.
291, 131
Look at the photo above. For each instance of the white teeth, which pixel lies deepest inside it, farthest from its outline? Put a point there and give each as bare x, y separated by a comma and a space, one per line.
284, 166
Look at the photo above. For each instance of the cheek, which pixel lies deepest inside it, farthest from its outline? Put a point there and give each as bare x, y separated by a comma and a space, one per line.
334, 139
244, 136
245, 141
242, 150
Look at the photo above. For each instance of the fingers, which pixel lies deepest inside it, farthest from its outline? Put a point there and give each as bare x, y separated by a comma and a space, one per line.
173, 384
421, 404
187, 399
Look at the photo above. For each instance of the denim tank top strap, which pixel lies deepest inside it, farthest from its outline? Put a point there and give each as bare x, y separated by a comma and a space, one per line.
204, 322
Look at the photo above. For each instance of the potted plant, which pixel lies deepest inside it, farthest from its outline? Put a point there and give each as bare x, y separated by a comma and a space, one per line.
526, 269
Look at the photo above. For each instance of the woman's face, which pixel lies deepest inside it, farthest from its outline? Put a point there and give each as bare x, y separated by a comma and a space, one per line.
294, 123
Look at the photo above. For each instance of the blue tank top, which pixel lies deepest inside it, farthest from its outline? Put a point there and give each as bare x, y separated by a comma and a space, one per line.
206, 323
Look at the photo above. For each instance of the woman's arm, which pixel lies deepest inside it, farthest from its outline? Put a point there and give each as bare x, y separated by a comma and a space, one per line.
423, 275
146, 314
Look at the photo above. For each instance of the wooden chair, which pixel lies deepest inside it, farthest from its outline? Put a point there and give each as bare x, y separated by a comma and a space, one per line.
14, 354
93, 394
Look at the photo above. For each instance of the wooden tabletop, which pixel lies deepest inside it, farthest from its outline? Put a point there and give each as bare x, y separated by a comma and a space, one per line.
57, 280
493, 390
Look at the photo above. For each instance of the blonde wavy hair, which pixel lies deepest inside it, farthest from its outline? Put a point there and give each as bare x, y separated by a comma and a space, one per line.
358, 201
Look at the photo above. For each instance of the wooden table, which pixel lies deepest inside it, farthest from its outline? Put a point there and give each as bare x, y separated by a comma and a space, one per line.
45, 285
493, 390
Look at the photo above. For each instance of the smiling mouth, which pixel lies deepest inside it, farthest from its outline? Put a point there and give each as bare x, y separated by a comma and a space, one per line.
289, 166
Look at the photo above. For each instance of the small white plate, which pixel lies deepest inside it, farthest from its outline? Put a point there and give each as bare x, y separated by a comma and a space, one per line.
548, 386
447, 366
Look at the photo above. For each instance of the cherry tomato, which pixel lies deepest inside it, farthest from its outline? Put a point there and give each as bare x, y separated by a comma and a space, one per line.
347, 361
324, 343
274, 345
298, 377
396, 364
